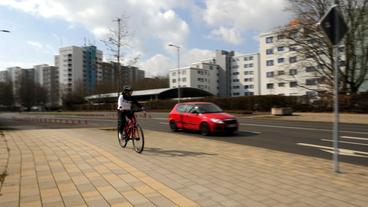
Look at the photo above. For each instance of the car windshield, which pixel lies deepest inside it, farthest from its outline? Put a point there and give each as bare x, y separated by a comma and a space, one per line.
208, 108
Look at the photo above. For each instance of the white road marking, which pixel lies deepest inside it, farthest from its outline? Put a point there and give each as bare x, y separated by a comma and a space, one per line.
159, 118
301, 128
345, 152
349, 137
345, 142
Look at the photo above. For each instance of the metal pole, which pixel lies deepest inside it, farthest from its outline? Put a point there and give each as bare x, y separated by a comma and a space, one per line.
118, 55
178, 50
179, 95
336, 111
336, 98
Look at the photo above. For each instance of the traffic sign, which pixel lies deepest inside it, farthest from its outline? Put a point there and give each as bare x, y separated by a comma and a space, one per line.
333, 25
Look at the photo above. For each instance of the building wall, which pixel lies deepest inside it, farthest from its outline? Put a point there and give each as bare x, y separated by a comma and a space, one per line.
198, 75
283, 70
245, 75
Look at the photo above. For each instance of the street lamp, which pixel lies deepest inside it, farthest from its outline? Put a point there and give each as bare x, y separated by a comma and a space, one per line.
178, 49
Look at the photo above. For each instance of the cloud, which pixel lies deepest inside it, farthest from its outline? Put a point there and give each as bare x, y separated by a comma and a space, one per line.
161, 64
230, 35
34, 44
232, 18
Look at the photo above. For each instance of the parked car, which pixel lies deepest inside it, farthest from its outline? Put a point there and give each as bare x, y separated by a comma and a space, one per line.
202, 116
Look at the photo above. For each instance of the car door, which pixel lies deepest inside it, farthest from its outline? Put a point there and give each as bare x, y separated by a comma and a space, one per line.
179, 115
192, 118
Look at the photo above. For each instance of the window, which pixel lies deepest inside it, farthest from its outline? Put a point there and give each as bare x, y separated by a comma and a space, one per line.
280, 60
281, 84
311, 82
310, 69
236, 94
173, 73
248, 72
248, 79
245, 65
234, 66
293, 72
280, 72
250, 65
182, 108
293, 59
174, 80
246, 86
311, 93
251, 58
269, 74
292, 48
269, 62
269, 51
280, 37
293, 84
280, 49
245, 58
269, 39
248, 93
269, 85
235, 80
235, 73
184, 79
236, 87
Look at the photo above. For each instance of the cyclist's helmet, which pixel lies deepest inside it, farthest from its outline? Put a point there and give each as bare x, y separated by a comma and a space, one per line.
127, 89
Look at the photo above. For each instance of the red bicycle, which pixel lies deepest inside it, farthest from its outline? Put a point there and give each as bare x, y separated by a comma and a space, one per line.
132, 131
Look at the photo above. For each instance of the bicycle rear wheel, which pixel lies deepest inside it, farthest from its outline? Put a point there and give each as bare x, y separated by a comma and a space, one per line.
138, 139
121, 138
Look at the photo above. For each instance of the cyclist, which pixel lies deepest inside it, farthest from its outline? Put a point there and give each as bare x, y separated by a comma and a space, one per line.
125, 103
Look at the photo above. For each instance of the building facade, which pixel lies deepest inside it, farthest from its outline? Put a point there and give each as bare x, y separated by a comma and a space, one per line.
202, 75
284, 71
78, 68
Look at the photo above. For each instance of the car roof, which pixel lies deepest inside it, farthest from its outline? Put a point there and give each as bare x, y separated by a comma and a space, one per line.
196, 103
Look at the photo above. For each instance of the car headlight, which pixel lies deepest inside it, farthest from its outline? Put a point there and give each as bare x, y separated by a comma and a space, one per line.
217, 121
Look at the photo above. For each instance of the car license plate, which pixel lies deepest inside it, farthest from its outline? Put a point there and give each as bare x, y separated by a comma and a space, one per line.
231, 125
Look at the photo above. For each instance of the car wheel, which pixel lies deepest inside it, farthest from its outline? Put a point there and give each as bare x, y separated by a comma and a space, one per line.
173, 126
205, 130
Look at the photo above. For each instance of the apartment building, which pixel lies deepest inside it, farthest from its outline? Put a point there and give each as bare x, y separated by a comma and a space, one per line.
108, 73
50, 82
202, 75
245, 75
4, 76
283, 70
78, 68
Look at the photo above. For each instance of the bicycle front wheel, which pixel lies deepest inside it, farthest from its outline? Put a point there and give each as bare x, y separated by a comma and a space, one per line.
121, 138
138, 139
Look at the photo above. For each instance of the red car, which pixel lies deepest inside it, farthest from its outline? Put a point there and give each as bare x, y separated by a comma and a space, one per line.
203, 116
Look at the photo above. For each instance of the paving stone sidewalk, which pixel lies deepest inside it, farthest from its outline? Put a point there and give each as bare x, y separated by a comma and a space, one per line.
86, 167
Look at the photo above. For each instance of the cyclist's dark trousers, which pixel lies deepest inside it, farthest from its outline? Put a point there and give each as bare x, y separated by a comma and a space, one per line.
123, 115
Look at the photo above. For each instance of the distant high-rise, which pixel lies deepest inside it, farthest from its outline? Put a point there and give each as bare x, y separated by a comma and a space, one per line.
78, 68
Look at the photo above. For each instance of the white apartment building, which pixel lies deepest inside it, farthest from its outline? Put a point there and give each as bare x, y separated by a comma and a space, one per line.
245, 75
3, 76
283, 70
224, 75
78, 68
202, 75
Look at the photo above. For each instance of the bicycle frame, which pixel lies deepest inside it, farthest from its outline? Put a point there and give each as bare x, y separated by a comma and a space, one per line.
130, 127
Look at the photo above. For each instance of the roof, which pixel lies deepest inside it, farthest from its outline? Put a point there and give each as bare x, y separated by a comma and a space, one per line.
160, 93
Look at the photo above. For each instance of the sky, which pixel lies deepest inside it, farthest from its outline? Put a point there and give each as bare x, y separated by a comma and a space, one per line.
38, 28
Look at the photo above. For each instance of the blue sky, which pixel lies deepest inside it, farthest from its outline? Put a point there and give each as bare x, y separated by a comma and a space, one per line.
40, 27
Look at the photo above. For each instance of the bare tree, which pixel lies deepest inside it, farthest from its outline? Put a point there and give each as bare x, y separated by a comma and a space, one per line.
152, 83
6, 94
31, 93
307, 41
118, 40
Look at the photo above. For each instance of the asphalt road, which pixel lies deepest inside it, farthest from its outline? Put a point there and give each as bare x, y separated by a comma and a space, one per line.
297, 137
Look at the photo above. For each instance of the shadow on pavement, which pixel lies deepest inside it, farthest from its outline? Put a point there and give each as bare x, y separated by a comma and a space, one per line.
173, 153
